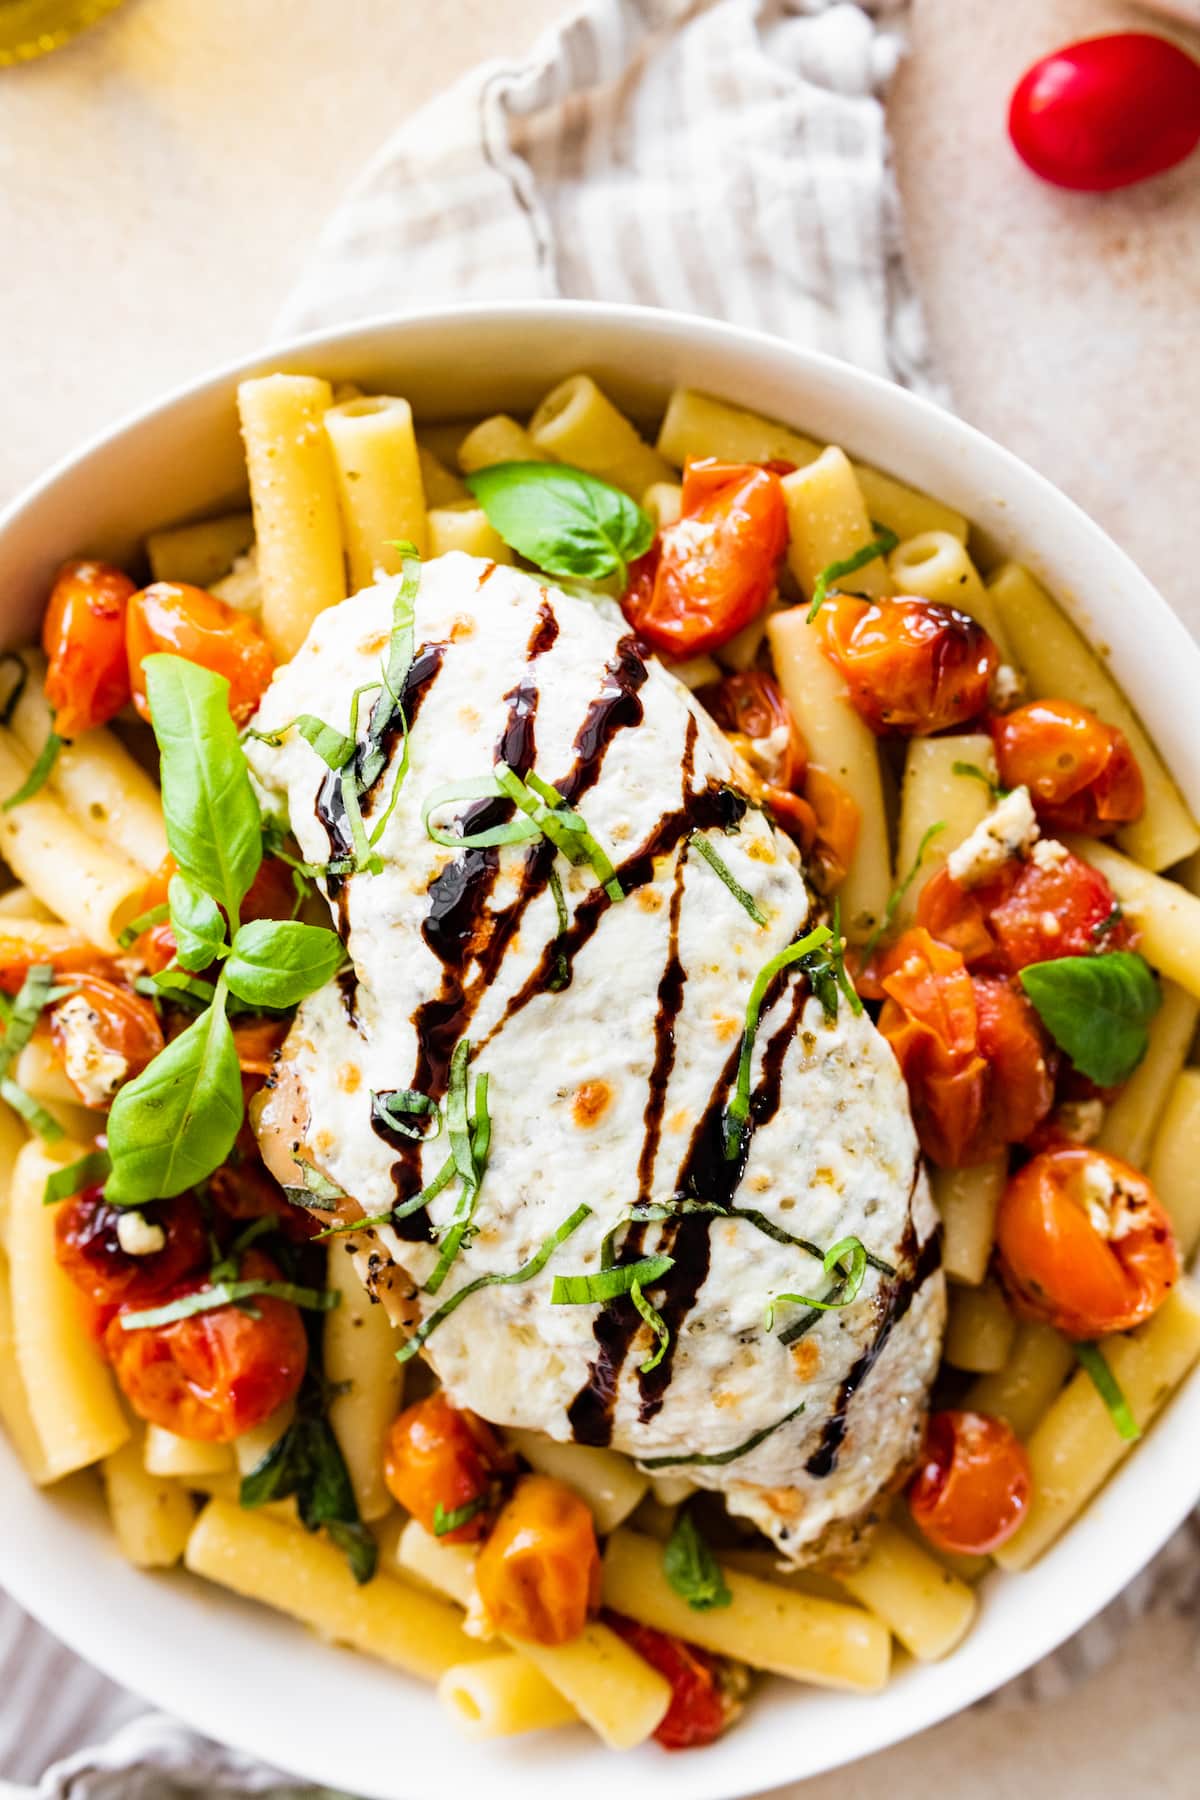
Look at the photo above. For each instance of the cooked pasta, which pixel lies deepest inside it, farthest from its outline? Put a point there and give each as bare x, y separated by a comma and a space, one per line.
200, 554
578, 424
501, 1696
378, 475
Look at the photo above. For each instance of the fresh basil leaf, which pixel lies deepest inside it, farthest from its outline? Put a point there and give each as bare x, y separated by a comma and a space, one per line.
1096, 1008
197, 923
692, 1569
563, 520
214, 828
176, 1122
306, 1462
278, 962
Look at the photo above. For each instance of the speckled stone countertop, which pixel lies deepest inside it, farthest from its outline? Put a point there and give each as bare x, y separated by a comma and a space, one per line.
137, 254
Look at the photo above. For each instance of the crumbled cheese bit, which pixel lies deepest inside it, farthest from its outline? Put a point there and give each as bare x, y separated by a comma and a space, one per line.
1048, 853
96, 1069
1113, 1210
1080, 1120
1005, 688
1010, 829
138, 1235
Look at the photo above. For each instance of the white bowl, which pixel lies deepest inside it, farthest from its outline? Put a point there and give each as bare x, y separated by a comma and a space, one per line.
251, 1677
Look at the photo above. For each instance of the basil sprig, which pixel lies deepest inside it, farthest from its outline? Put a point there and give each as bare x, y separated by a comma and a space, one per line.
1096, 1008
563, 520
176, 1122
692, 1569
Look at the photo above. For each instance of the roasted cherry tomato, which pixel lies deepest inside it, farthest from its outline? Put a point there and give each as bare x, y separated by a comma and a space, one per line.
971, 1051
910, 666
215, 1374
441, 1456
103, 1035
83, 635
1107, 111
751, 710
538, 1574
1081, 774
703, 1703
19, 954
836, 819
1083, 1243
1031, 911
972, 1484
87, 1245
188, 622
713, 571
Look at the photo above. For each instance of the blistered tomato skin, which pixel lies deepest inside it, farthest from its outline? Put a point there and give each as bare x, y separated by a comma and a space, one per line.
700, 1709
83, 635
1081, 774
186, 621
714, 570
1030, 912
538, 1574
972, 1485
911, 666
1107, 111
88, 1249
213, 1375
439, 1455
115, 1022
1082, 1243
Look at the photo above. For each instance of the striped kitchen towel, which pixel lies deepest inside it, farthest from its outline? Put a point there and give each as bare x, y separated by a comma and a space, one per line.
726, 157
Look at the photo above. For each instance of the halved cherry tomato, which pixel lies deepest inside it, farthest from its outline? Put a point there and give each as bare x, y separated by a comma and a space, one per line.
83, 635
837, 817
97, 1021
971, 1052
972, 1486
188, 622
19, 954
911, 666
538, 1574
258, 1043
703, 1704
1083, 1243
1081, 774
215, 1374
1107, 111
751, 710
88, 1249
713, 571
440, 1455
1029, 912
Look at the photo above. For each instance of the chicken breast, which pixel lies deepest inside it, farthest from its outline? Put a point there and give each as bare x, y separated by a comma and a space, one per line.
609, 1031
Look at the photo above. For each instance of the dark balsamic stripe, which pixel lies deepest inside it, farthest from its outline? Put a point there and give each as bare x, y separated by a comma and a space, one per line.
670, 1002
896, 1295
545, 632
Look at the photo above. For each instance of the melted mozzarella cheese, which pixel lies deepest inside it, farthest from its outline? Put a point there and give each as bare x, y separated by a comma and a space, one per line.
609, 1089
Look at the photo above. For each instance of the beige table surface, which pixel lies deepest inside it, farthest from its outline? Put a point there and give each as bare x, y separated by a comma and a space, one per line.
160, 183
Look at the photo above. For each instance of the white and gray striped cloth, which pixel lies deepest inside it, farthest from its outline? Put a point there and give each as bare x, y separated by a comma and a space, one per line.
726, 157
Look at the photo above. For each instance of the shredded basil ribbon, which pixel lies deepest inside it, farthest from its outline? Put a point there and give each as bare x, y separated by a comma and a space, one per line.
20, 1016
1093, 1360
87, 1171
546, 814
738, 1110
157, 915
826, 971
318, 1193
975, 773
562, 969
844, 1290
653, 1318
400, 1104
897, 894
34, 1114
717, 1458
526, 1272
38, 775
608, 1284
229, 1293
470, 1131
440, 1182
882, 545
740, 894
445, 1522
12, 699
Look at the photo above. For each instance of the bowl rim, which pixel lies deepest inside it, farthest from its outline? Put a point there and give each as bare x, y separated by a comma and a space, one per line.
1109, 1559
